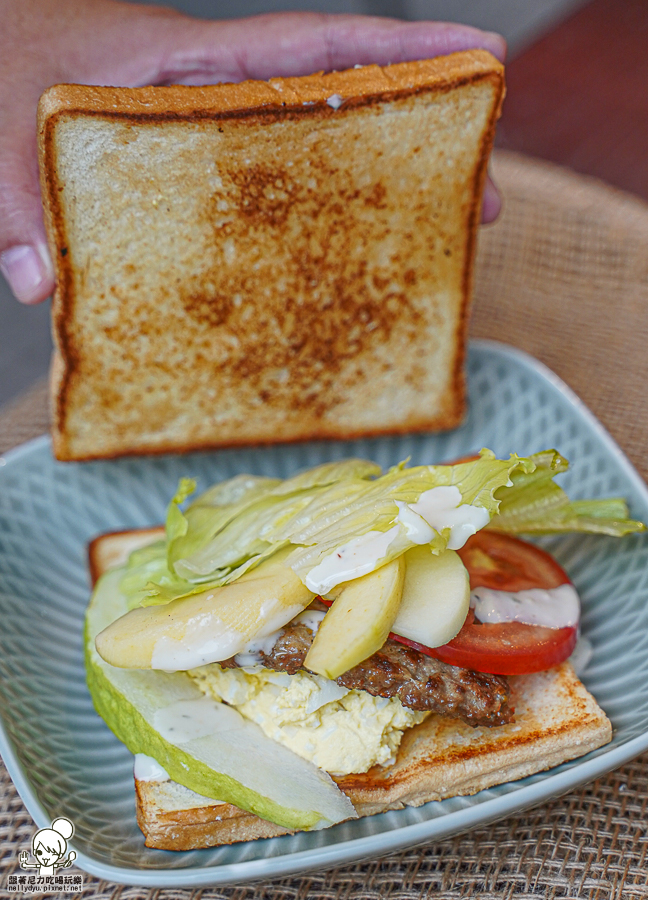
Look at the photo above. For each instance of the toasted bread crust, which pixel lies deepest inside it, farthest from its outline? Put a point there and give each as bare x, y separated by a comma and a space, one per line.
361, 86
350, 368
556, 720
165, 827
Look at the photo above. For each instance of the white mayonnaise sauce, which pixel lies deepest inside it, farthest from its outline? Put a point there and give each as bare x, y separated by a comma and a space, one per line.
352, 560
206, 639
251, 655
416, 528
554, 608
441, 507
436, 509
311, 618
186, 720
148, 769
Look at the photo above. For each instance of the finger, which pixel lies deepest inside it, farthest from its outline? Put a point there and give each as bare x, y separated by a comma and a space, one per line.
288, 44
492, 202
300, 43
24, 257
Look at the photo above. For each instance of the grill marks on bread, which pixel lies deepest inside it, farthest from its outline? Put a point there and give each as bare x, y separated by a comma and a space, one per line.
337, 302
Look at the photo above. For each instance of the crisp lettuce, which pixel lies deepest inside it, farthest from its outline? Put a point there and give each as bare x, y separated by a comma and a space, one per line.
535, 504
148, 581
238, 523
209, 514
195, 548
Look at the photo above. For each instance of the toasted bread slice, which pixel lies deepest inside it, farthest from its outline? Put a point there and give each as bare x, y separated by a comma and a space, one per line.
556, 719
264, 262
171, 817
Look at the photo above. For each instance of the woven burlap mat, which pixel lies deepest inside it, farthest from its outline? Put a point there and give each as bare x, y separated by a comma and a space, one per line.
564, 276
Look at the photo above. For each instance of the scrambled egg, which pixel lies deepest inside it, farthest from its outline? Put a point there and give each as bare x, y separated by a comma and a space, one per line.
340, 730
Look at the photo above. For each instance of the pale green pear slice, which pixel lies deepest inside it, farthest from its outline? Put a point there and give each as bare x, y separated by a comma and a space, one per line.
207, 627
436, 597
204, 745
358, 622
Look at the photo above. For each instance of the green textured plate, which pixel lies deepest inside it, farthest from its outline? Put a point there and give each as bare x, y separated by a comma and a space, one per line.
65, 761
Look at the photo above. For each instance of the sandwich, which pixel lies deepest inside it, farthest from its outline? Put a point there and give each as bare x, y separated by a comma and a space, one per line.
289, 653
265, 261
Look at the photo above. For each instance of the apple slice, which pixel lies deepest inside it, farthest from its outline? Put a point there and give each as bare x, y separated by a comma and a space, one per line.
436, 597
358, 622
207, 627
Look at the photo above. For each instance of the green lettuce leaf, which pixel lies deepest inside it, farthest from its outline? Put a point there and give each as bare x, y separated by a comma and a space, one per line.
237, 524
212, 512
148, 564
535, 504
195, 549
176, 523
334, 520
147, 580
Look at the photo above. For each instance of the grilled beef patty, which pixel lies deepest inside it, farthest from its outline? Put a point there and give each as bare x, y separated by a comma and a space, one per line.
395, 670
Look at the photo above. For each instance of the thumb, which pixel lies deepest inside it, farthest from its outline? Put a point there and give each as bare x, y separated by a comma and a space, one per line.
285, 44
24, 257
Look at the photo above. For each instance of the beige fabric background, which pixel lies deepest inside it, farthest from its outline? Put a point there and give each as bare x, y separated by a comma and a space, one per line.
564, 276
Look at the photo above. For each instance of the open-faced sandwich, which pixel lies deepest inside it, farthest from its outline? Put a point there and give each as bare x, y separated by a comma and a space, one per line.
287, 654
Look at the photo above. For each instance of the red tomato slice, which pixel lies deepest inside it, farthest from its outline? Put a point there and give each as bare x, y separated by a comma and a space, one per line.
510, 648
505, 563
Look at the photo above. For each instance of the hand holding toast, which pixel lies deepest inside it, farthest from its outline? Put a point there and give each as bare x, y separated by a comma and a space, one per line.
107, 42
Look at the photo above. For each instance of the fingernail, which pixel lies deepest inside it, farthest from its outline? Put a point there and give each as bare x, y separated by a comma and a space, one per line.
491, 204
28, 272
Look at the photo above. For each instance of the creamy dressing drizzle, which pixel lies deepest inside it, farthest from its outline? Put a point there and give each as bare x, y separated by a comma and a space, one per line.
148, 769
206, 639
441, 507
436, 509
352, 560
187, 720
416, 528
311, 618
251, 655
554, 608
